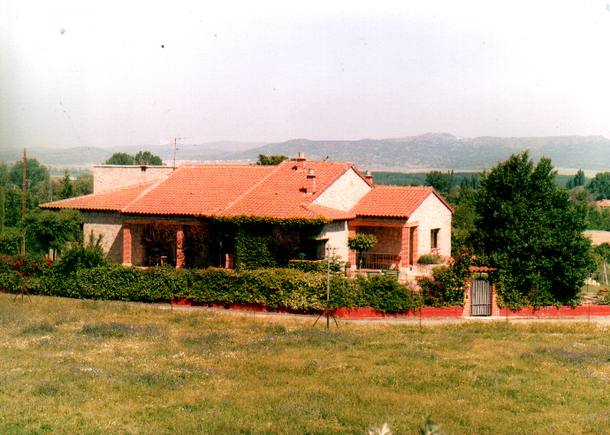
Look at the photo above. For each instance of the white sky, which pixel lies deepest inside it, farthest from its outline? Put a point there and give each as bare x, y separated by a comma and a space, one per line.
132, 73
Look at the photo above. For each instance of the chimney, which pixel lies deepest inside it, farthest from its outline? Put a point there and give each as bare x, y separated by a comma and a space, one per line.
301, 160
369, 177
311, 182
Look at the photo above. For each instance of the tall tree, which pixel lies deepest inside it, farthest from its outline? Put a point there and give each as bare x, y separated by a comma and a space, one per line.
527, 229
37, 176
67, 189
578, 180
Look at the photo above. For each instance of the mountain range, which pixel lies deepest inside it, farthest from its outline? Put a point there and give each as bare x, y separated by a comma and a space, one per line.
415, 153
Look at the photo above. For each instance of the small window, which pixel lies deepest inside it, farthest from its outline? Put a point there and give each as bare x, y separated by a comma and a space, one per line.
434, 238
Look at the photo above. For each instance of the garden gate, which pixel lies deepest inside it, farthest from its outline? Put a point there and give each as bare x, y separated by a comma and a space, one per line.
481, 298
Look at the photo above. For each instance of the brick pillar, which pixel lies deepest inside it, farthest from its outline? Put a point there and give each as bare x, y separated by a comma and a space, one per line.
180, 260
415, 237
351, 256
404, 246
495, 310
468, 300
126, 244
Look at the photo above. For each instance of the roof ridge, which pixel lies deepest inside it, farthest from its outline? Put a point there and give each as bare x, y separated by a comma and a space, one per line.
255, 185
145, 191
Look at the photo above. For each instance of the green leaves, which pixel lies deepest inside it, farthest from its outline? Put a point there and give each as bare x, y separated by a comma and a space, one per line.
528, 229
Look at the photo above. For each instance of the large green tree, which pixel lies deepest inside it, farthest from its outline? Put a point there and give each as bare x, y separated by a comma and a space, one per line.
600, 185
528, 230
37, 177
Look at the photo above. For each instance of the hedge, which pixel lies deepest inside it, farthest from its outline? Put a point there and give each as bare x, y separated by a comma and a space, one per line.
273, 288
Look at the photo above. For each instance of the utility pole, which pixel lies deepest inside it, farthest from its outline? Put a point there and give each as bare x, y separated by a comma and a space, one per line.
23, 205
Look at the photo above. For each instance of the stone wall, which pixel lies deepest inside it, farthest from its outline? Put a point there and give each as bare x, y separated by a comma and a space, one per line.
109, 225
107, 177
344, 193
336, 233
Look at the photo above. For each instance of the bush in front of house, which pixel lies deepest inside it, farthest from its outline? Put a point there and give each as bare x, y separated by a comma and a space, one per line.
273, 288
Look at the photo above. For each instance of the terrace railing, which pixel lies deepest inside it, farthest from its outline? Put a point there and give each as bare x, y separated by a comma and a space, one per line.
375, 260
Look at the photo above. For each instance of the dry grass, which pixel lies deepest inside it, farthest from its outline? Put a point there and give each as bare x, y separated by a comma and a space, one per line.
82, 367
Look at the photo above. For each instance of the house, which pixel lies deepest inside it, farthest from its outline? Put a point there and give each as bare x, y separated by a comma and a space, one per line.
407, 221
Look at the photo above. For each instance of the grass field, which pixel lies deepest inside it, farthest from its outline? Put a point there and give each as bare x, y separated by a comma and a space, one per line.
85, 367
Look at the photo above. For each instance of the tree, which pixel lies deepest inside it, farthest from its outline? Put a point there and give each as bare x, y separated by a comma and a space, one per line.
46, 229
148, 159
441, 182
1, 209
360, 243
120, 159
263, 160
141, 158
37, 176
527, 229
83, 184
600, 185
578, 180
67, 190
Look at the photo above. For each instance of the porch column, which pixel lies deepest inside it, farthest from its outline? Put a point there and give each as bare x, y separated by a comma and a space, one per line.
126, 244
351, 255
405, 244
180, 259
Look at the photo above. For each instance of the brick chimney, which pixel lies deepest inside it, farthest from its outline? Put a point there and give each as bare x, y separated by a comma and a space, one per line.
311, 182
301, 160
369, 177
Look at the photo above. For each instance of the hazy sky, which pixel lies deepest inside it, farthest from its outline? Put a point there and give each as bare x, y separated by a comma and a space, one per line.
129, 73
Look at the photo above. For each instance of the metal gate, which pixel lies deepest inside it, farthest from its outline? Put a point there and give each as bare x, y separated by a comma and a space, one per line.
480, 293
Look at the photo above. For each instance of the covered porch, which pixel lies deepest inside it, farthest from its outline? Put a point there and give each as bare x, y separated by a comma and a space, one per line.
396, 248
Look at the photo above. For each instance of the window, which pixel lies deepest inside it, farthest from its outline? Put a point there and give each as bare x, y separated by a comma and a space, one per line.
434, 238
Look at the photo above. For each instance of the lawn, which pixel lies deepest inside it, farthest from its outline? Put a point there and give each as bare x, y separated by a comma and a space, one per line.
93, 367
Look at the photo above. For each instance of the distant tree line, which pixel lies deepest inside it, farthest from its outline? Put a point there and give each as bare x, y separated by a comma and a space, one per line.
144, 158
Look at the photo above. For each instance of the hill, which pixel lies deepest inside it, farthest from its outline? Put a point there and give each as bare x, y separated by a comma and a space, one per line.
415, 153
444, 151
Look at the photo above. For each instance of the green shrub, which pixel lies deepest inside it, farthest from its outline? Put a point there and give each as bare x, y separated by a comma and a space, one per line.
79, 256
273, 288
386, 294
10, 241
252, 251
445, 288
430, 259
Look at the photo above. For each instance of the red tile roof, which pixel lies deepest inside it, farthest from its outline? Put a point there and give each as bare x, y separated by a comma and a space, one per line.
394, 201
283, 191
110, 200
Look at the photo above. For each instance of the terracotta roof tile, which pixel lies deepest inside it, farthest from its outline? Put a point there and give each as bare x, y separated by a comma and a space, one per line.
394, 201
110, 200
283, 191
199, 190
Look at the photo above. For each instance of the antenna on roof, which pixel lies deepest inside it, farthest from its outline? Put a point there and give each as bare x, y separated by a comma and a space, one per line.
173, 141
